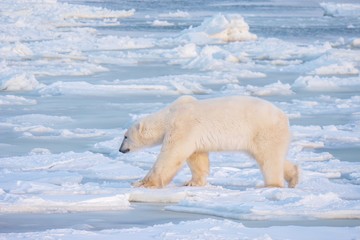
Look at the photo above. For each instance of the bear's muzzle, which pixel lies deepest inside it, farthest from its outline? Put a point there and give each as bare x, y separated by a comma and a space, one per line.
123, 148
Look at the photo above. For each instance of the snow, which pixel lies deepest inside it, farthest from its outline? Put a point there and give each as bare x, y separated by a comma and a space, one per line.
15, 100
226, 28
200, 229
277, 88
335, 69
177, 14
20, 82
340, 9
317, 83
356, 42
85, 88
73, 77
159, 23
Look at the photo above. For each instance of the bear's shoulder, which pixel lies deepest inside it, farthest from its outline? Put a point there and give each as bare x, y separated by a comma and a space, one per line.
184, 99
181, 109
182, 102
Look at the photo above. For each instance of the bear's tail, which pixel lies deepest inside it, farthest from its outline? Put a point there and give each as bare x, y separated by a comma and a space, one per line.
291, 174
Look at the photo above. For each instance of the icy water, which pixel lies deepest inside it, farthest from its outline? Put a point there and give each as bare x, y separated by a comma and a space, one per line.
74, 75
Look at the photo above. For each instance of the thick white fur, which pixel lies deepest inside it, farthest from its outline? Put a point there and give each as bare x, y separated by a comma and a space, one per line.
189, 129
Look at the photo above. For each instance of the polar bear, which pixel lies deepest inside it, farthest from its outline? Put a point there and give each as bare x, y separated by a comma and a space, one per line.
189, 129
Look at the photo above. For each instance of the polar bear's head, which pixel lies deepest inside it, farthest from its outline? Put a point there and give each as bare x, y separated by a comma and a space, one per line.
147, 132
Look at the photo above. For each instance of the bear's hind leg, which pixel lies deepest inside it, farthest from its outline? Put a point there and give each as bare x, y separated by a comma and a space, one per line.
273, 173
200, 168
271, 163
291, 173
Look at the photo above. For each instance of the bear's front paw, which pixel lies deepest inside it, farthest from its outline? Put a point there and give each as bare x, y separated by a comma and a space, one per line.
194, 183
145, 184
138, 183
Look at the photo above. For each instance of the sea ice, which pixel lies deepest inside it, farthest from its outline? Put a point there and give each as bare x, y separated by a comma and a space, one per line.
177, 14
58, 57
340, 9
85, 88
15, 100
317, 83
356, 42
200, 229
335, 69
120, 43
160, 23
22, 82
277, 88
229, 28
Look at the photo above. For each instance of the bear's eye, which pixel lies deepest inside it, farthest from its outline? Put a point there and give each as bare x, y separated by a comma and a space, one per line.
125, 137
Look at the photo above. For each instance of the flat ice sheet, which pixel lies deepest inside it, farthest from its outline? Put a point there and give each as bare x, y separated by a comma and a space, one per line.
200, 229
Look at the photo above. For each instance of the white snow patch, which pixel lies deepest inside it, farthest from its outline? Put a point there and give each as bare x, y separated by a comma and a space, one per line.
340, 9
16, 100
91, 12
177, 14
187, 51
40, 151
53, 182
160, 23
317, 83
42, 120
212, 58
157, 196
249, 74
85, 88
22, 82
83, 204
120, 43
336, 69
271, 204
187, 87
226, 28
50, 38
200, 229
277, 88
356, 43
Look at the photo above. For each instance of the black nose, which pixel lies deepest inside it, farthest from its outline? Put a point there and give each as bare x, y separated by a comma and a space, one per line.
124, 150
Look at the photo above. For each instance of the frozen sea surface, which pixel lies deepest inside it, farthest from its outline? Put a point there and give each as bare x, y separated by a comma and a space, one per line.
75, 74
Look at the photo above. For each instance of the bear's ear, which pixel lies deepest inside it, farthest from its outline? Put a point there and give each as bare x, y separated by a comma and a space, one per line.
140, 126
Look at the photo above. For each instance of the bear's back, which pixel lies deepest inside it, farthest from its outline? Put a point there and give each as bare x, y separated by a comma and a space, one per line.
239, 109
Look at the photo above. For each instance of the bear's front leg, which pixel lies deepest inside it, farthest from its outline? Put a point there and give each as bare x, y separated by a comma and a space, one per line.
151, 180
165, 168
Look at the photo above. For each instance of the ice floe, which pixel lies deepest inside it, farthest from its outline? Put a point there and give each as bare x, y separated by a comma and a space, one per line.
58, 186
176, 14
224, 28
22, 82
317, 83
335, 69
340, 9
356, 42
277, 88
200, 229
29, 120
160, 23
57, 47
15, 100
